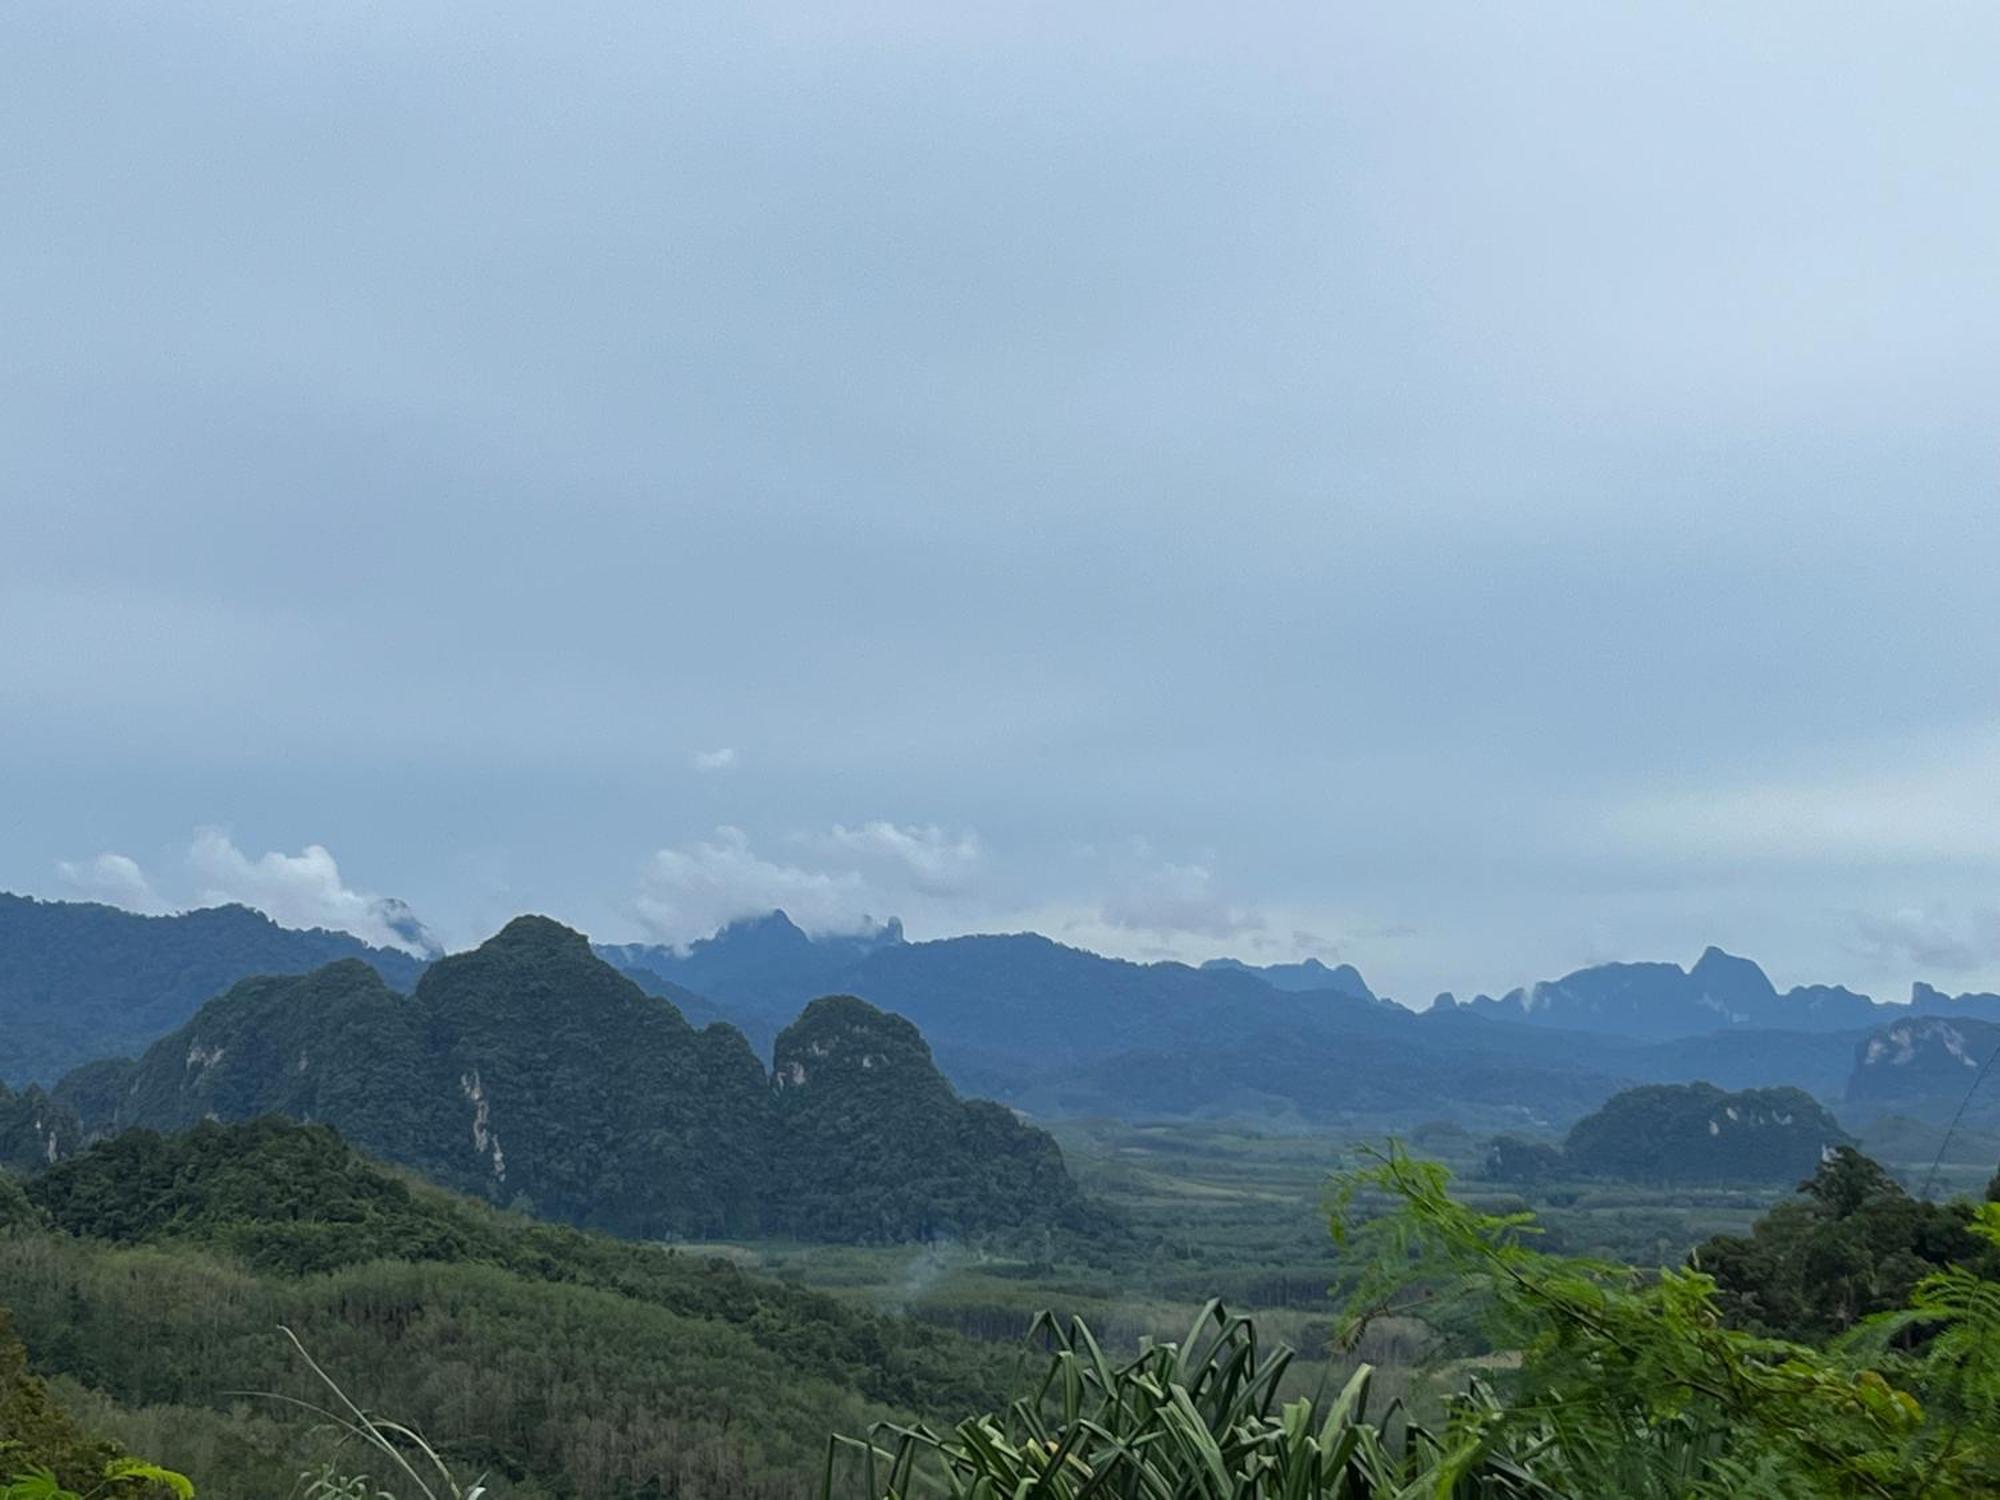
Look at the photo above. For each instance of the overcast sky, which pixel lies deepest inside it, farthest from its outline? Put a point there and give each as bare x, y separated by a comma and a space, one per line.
1468, 490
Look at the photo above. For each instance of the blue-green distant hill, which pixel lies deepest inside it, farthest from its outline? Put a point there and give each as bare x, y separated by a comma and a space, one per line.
80, 981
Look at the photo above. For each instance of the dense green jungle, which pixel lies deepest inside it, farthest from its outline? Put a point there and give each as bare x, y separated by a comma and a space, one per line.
530, 1231
212, 1300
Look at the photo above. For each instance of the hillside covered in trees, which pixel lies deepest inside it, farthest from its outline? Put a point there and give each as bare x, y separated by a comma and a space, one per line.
531, 1073
1852, 1243
151, 1274
1696, 1132
38, 1437
80, 981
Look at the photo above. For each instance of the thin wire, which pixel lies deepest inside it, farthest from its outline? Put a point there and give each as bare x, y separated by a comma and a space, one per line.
1963, 1104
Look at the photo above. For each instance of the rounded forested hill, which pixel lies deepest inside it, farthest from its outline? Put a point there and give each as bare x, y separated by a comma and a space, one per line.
1697, 1133
532, 1073
881, 1147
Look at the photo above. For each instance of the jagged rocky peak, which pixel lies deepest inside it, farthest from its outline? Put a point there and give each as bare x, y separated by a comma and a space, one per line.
1978, 1006
406, 924
760, 969
1729, 978
774, 928
1657, 1001
776, 931
1306, 976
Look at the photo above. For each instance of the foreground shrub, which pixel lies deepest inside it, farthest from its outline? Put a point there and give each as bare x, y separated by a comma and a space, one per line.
1627, 1384
1200, 1418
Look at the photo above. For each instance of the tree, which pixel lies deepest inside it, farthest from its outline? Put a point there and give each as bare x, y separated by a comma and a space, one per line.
1851, 1245
49, 1457
1511, 1158
1634, 1384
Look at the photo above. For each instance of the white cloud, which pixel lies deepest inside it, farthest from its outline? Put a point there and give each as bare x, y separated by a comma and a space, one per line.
690, 891
1942, 802
301, 890
722, 759
935, 861
1933, 938
293, 890
1168, 898
115, 879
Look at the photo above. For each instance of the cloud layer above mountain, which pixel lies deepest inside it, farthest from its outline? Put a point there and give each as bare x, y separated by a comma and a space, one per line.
1477, 491
294, 890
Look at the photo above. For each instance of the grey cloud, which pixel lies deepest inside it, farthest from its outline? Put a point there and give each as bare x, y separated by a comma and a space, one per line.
296, 890
301, 890
1931, 940
1168, 899
114, 879
1366, 447
935, 861
689, 891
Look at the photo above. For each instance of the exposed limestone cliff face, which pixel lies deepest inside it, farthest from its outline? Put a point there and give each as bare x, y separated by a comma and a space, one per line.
1926, 1067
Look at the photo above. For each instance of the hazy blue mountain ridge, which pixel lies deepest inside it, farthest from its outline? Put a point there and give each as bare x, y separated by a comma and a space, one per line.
1306, 976
80, 981
1059, 1031
1658, 1001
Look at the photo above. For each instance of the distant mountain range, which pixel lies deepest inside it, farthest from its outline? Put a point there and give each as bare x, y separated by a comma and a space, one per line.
1658, 1001
767, 966
1058, 1031
1017, 1016
1054, 1030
